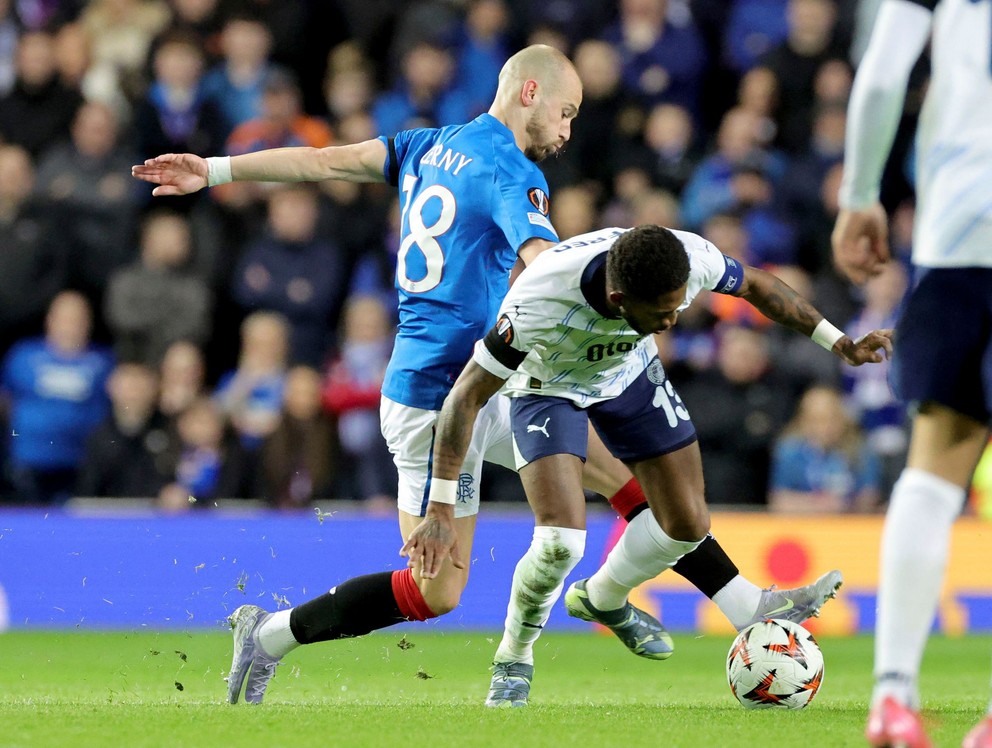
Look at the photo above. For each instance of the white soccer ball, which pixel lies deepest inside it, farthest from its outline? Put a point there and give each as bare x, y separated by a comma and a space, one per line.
774, 664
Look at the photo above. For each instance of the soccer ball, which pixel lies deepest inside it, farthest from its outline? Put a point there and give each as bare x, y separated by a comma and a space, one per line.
774, 664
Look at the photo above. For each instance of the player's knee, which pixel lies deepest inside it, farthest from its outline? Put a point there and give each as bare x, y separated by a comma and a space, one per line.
690, 523
442, 598
560, 547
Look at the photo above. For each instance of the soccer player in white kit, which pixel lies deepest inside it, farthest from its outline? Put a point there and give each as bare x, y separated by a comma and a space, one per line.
942, 367
574, 346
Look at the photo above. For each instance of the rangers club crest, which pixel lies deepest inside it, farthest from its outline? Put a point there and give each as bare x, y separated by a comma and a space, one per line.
539, 199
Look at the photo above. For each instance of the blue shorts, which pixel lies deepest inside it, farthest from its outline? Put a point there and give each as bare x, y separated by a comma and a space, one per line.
646, 420
943, 343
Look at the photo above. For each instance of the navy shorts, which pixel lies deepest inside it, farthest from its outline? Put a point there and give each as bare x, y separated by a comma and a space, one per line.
943, 344
646, 420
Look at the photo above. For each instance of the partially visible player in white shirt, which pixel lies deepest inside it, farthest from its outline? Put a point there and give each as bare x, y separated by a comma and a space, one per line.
943, 362
573, 345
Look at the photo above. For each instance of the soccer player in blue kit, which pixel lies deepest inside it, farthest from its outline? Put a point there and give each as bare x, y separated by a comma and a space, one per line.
473, 203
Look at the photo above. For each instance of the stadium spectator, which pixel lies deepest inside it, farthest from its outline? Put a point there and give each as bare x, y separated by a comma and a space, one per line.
757, 92
669, 138
86, 181
600, 139
175, 115
181, 378
74, 62
38, 111
120, 34
803, 367
299, 460
200, 18
662, 54
483, 46
741, 176
251, 395
292, 271
753, 28
210, 463
33, 260
154, 301
820, 462
795, 63
801, 194
422, 97
281, 124
351, 393
349, 85
55, 391
573, 211
128, 455
738, 407
870, 397
236, 84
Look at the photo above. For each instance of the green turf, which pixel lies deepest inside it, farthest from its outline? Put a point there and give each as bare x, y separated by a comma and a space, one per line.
121, 689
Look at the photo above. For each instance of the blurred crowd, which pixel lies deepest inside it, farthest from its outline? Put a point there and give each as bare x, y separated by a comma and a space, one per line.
230, 344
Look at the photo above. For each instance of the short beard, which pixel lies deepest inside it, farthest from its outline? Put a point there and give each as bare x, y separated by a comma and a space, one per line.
534, 152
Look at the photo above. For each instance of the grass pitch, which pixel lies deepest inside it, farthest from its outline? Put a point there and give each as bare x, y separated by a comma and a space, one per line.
422, 687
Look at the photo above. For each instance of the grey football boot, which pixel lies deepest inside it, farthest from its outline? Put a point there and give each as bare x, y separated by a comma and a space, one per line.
799, 604
250, 661
510, 685
641, 632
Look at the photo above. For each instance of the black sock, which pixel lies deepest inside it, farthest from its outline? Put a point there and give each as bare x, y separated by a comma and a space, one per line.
353, 608
708, 567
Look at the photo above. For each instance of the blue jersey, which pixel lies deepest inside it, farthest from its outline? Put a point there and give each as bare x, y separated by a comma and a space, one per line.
469, 200
56, 401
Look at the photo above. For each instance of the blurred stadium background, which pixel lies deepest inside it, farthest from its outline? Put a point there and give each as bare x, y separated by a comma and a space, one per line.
189, 386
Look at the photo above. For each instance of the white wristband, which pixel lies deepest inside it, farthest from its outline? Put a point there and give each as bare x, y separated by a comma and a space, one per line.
826, 335
443, 491
219, 170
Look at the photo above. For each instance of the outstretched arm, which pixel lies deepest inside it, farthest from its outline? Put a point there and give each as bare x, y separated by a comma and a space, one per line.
183, 173
434, 538
782, 304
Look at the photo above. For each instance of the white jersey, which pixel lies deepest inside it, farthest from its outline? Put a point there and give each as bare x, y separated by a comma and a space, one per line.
570, 349
954, 140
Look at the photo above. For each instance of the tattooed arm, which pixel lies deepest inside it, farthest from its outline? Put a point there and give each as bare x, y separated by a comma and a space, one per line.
436, 539
784, 305
777, 301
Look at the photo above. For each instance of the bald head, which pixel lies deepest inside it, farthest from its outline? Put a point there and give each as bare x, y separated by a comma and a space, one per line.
538, 96
539, 61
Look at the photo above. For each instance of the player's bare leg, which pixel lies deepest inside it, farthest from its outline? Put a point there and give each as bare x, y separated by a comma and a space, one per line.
708, 567
652, 542
442, 593
944, 448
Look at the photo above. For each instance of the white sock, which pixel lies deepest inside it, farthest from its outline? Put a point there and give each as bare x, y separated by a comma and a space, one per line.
738, 599
537, 585
915, 544
275, 635
642, 553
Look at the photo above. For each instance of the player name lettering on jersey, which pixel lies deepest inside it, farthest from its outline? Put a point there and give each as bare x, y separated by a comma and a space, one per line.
445, 158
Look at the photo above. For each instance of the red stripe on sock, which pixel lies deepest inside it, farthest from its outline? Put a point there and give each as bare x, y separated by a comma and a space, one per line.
409, 599
628, 498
